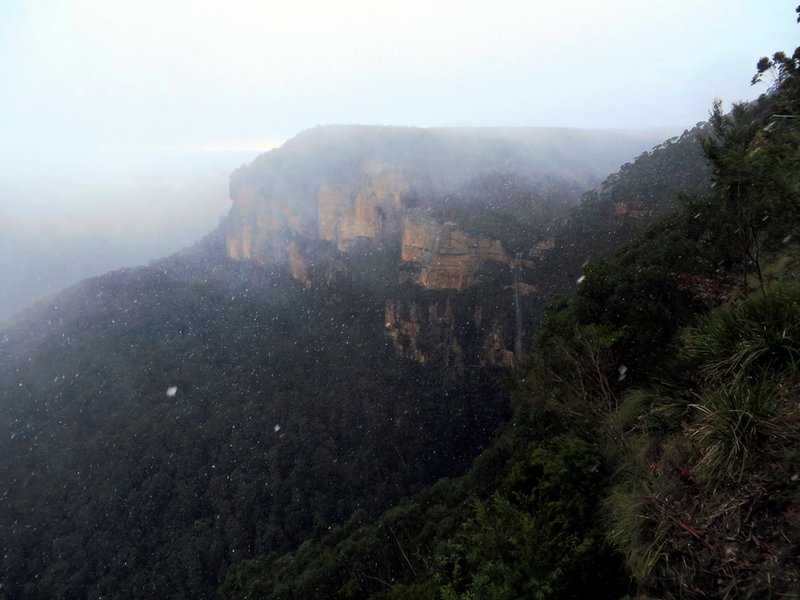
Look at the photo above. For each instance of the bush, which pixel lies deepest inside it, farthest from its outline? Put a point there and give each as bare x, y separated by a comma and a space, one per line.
736, 419
762, 334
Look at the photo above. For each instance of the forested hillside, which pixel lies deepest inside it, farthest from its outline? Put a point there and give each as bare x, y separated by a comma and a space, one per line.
161, 424
256, 419
158, 424
654, 445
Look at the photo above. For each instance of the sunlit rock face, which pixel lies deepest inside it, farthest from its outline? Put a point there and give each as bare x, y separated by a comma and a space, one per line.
367, 201
347, 191
266, 228
369, 210
446, 257
372, 213
351, 184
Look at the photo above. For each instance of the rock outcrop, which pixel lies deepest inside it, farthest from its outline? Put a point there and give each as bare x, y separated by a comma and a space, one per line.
371, 211
351, 191
446, 257
430, 330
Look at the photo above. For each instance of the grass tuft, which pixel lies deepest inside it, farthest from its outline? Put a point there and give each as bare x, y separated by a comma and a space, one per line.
762, 334
736, 419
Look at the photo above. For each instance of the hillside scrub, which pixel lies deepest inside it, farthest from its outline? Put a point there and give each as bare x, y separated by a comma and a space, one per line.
654, 445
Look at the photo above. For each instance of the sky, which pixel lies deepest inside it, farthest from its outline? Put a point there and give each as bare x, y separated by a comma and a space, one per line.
135, 111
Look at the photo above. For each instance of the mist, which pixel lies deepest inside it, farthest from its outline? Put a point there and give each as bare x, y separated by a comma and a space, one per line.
97, 211
376, 299
121, 124
87, 216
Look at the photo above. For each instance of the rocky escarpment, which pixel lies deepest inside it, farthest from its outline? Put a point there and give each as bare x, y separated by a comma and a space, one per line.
445, 256
271, 229
431, 255
353, 191
421, 329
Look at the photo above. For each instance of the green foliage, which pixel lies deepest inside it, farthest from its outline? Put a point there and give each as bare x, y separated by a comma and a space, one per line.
532, 533
508, 207
700, 484
362, 558
786, 84
754, 151
736, 419
631, 531
291, 412
534, 537
570, 375
668, 479
701, 452
621, 315
627, 203
690, 468
756, 337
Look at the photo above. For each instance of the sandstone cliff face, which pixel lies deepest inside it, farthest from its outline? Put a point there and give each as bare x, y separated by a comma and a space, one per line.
372, 211
447, 258
263, 224
266, 230
422, 331
286, 214
439, 257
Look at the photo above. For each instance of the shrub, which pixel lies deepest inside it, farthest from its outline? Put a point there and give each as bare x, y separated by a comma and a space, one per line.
736, 418
761, 334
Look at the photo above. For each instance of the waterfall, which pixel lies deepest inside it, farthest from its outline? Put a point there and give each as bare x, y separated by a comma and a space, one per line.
517, 309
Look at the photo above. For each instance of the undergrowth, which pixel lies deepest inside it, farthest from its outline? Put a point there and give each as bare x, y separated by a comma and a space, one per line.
760, 334
705, 501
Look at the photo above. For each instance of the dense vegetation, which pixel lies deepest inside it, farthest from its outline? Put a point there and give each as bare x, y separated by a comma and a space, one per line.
160, 423
654, 445
169, 427
290, 410
508, 207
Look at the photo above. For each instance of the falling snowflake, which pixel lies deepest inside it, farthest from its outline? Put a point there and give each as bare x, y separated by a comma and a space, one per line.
277, 428
581, 278
172, 390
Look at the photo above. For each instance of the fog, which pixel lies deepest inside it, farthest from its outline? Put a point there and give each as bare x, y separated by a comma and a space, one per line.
73, 221
122, 121
432, 264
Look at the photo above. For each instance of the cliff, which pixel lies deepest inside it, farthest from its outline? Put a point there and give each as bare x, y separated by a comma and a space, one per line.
412, 194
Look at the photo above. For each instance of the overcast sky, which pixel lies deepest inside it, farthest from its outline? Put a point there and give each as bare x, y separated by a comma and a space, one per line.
117, 89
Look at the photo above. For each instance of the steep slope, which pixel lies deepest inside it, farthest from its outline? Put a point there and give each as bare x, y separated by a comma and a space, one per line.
461, 211
654, 443
526, 519
162, 423
159, 423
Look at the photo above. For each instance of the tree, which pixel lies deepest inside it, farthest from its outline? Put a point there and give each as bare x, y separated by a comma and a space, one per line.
731, 148
754, 158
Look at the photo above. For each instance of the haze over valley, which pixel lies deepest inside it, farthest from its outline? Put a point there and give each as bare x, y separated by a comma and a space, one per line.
121, 126
377, 301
